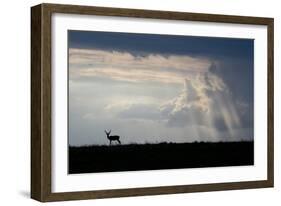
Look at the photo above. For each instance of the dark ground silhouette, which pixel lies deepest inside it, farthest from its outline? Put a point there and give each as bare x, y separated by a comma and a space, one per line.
132, 157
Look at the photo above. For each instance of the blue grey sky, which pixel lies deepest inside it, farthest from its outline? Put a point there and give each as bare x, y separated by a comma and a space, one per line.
150, 88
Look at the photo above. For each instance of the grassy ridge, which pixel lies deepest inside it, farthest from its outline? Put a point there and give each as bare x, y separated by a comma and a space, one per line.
134, 157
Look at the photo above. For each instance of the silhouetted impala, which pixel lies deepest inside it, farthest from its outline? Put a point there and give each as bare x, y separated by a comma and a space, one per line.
112, 138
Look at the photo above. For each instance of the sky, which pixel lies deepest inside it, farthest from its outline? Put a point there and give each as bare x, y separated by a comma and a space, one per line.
150, 88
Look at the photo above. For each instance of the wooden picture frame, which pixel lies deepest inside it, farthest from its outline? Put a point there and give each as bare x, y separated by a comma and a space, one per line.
41, 101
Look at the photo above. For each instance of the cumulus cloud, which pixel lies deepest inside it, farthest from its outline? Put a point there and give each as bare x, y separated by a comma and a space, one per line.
206, 101
123, 66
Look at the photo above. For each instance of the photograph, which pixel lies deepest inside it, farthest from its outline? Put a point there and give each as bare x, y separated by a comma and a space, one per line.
141, 101
133, 102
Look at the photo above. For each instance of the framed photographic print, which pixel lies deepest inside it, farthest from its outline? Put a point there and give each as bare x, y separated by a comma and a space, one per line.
128, 102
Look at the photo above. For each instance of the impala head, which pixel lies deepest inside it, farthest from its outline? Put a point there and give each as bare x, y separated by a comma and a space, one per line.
107, 133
